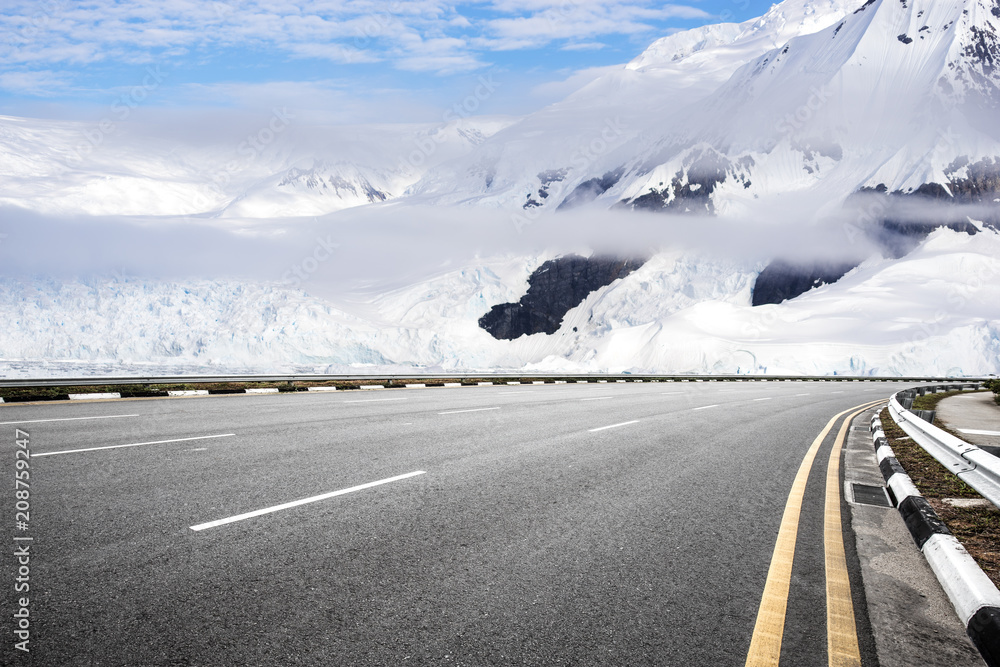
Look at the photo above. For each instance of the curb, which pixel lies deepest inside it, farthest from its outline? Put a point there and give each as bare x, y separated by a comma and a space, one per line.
974, 596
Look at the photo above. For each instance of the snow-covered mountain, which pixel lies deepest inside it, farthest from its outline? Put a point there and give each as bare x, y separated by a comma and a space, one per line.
542, 158
895, 95
274, 168
824, 96
875, 119
827, 97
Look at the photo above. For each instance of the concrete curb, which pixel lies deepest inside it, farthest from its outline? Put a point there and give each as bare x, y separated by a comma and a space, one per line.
971, 592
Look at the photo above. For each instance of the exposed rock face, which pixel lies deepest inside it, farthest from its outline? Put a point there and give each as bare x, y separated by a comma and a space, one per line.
898, 238
545, 180
324, 179
554, 288
690, 190
970, 184
590, 190
782, 280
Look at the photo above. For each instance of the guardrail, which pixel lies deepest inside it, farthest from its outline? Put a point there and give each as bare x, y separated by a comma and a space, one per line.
971, 464
196, 379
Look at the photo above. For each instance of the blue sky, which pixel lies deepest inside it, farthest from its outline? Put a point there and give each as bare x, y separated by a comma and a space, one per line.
336, 61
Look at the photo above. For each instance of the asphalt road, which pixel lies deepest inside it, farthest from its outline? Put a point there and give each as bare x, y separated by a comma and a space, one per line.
598, 524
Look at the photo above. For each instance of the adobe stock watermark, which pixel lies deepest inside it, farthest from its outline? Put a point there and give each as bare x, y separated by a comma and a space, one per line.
302, 270
872, 214
120, 109
22, 541
587, 153
426, 146
40, 20
958, 296
376, 24
248, 149
817, 100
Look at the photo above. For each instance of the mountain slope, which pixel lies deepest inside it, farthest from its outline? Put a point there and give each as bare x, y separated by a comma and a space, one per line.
276, 169
891, 96
578, 139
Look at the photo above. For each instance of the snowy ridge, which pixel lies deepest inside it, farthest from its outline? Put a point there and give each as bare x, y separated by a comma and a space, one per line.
598, 128
275, 170
859, 103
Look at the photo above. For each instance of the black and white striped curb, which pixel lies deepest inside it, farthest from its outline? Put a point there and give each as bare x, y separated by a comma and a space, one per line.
198, 392
92, 396
975, 598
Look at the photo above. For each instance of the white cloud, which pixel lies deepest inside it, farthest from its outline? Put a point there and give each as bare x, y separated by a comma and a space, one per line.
314, 102
583, 46
554, 90
545, 21
417, 35
39, 83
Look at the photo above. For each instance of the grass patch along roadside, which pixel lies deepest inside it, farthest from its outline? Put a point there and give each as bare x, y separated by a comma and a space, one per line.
930, 401
976, 527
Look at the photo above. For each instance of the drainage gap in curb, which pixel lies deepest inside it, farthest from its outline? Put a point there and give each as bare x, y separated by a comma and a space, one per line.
865, 494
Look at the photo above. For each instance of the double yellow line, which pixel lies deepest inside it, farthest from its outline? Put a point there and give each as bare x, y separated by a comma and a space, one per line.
842, 638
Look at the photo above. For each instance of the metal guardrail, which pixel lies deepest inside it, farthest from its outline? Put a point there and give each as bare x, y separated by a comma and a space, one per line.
196, 379
972, 465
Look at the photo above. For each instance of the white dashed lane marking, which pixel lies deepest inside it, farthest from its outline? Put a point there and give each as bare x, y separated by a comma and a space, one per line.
303, 501
455, 412
604, 428
134, 444
65, 419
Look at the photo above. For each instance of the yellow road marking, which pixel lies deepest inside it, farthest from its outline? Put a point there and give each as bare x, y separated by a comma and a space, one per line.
765, 645
841, 630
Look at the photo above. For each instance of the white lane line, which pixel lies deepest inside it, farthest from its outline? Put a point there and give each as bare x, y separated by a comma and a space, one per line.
199, 449
802, 394
377, 400
836, 392
764, 399
706, 407
597, 398
603, 428
303, 501
455, 412
134, 444
976, 431
671, 393
66, 419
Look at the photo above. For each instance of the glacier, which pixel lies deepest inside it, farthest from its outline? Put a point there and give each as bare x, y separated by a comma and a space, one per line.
935, 312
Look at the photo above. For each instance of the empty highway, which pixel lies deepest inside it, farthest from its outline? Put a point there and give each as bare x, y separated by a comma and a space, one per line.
596, 524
